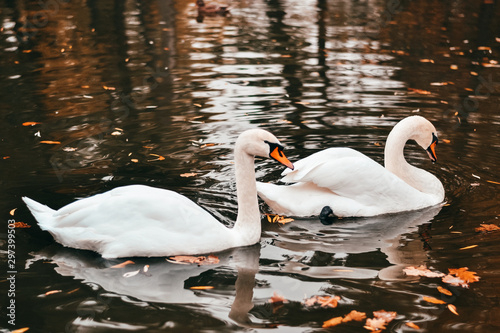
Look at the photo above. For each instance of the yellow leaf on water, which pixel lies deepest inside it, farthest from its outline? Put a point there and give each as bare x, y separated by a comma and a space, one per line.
201, 287
354, 315
468, 247
31, 123
493, 182
52, 292
12, 211
487, 228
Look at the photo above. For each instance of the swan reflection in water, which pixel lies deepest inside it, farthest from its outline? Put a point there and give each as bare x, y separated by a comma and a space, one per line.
277, 264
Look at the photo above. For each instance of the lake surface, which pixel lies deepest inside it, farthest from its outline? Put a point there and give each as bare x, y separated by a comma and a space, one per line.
100, 94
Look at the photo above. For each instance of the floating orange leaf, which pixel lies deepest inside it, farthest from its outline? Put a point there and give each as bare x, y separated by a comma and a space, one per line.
375, 324
419, 91
49, 142
52, 292
324, 301
21, 225
453, 309
20, 330
278, 218
464, 274
421, 271
412, 325
277, 298
31, 123
109, 88
493, 182
189, 174
332, 322
354, 315
201, 260
487, 228
12, 211
387, 316
444, 291
468, 247
123, 264
433, 300
201, 287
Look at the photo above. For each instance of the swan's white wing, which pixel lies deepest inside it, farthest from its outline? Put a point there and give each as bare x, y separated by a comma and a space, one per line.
135, 220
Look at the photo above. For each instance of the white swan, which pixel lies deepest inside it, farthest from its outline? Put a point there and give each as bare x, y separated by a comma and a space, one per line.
143, 221
347, 183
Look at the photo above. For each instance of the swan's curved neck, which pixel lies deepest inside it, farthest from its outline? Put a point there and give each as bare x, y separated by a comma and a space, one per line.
247, 224
395, 162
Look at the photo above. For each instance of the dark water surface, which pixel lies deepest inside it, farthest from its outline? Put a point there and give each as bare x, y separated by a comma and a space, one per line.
117, 84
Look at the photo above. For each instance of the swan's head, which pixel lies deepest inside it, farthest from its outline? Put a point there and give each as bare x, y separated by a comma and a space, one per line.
425, 135
258, 142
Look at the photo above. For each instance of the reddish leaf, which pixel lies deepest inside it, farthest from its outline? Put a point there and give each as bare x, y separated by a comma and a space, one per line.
487, 228
277, 299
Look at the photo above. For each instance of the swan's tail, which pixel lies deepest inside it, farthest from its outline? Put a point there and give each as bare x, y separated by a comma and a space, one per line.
43, 214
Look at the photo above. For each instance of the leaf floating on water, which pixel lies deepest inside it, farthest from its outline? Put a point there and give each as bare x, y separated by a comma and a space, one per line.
277, 299
468, 247
387, 316
123, 264
52, 292
354, 315
464, 274
188, 174
455, 281
421, 271
278, 219
109, 88
419, 91
201, 260
201, 287
49, 142
493, 182
333, 322
135, 160
487, 228
21, 225
453, 309
412, 325
376, 324
31, 123
433, 300
324, 301
20, 330
12, 211
444, 291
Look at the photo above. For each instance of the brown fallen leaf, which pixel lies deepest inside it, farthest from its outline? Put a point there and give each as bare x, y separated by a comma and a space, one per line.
21, 225
332, 322
49, 142
412, 325
421, 271
123, 264
444, 291
453, 309
433, 300
487, 228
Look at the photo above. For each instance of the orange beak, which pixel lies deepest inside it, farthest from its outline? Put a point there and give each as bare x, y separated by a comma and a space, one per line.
278, 155
432, 148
